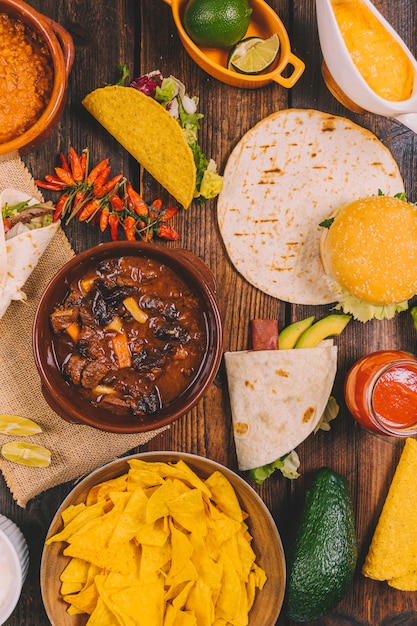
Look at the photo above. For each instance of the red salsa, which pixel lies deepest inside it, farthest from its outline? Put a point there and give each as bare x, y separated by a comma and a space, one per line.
381, 392
130, 335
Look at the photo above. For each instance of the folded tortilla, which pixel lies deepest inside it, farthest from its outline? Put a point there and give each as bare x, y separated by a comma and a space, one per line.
277, 398
20, 254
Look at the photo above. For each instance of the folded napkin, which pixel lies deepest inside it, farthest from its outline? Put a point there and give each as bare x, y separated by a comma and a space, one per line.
76, 449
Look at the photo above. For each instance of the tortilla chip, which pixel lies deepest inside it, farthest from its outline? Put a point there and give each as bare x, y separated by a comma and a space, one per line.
150, 134
392, 555
171, 550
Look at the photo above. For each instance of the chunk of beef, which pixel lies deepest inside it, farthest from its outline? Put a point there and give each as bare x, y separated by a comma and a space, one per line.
62, 317
73, 368
132, 273
93, 373
111, 401
149, 360
90, 344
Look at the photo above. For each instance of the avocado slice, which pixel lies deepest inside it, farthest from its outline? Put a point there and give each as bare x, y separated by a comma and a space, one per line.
328, 326
289, 335
323, 554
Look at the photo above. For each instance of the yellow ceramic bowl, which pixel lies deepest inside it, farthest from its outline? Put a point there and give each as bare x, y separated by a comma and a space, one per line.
264, 23
266, 539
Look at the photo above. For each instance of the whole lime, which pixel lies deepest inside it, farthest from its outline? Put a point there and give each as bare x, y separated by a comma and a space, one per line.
216, 23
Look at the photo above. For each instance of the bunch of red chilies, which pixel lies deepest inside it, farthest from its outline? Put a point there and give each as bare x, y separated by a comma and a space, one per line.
92, 196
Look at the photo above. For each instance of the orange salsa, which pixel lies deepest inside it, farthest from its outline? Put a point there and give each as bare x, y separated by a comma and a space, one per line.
26, 77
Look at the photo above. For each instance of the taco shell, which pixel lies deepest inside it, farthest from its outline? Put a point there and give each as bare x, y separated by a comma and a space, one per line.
149, 133
277, 398
392, 555
20, 254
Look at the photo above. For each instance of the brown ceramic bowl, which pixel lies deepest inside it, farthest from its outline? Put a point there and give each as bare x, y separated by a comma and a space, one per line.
266, 541
61, 47
65, 399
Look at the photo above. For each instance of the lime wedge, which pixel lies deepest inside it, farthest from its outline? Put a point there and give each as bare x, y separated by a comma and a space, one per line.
254, 54
18, 426
26, 454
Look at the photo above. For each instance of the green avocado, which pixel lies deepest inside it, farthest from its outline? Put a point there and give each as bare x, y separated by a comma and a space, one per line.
289, 335
322, 558
328, 326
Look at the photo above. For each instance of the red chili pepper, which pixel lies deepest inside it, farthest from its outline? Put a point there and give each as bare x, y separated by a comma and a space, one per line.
64, 163
168, 232
6, 224
117, 203
59, 207
83, 163
76, 169
51, 186
114, 226
97, 170
129, 226
89, 210
168, 212
104, 218
135, 201
102, 177
55, 180
111, 184
64, 176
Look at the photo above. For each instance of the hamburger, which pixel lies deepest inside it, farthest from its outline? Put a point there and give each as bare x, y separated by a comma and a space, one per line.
369, 255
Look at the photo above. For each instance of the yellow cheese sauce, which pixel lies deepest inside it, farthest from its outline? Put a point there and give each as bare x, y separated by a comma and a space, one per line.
377, 55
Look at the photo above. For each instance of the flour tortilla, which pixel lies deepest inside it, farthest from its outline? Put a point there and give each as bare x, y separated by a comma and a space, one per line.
150, 134
277, 398
284, 177
20, 254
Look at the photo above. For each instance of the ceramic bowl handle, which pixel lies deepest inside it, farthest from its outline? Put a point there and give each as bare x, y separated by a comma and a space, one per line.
298, 68
66, 42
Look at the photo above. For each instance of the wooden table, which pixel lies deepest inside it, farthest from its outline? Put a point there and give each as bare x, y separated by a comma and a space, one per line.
142, 34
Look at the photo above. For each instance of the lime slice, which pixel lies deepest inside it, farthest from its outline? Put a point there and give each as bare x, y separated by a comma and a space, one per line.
254, 55
26, 454
18, 426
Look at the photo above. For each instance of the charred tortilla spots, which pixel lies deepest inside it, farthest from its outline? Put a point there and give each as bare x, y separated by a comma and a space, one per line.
286, 175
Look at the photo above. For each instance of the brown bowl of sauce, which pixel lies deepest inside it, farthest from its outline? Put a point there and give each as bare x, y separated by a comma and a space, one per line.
37, 56
127, 336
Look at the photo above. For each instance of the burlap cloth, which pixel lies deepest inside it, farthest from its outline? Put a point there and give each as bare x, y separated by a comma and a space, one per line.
76, 449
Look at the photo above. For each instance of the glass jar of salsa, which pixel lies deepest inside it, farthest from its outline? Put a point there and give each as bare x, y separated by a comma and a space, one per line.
381, 392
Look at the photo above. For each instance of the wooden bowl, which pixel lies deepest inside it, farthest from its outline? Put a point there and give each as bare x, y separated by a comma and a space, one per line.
65, 399
61, 47
264, 23
266, 539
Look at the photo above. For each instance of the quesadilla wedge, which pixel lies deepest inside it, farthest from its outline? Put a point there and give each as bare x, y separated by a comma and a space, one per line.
24, 236
277, 398
283, 178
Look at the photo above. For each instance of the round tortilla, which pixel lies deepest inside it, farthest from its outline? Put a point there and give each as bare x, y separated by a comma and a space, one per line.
285, 176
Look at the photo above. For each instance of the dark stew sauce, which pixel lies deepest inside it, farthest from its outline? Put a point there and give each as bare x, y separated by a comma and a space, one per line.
130, 335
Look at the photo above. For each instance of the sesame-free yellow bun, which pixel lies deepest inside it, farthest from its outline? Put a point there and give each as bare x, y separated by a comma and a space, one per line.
370, 250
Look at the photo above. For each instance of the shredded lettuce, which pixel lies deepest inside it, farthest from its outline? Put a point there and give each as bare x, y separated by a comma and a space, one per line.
366, 311
171, 94
287, 464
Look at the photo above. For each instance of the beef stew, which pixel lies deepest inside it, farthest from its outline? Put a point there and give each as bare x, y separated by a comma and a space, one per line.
130, 335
